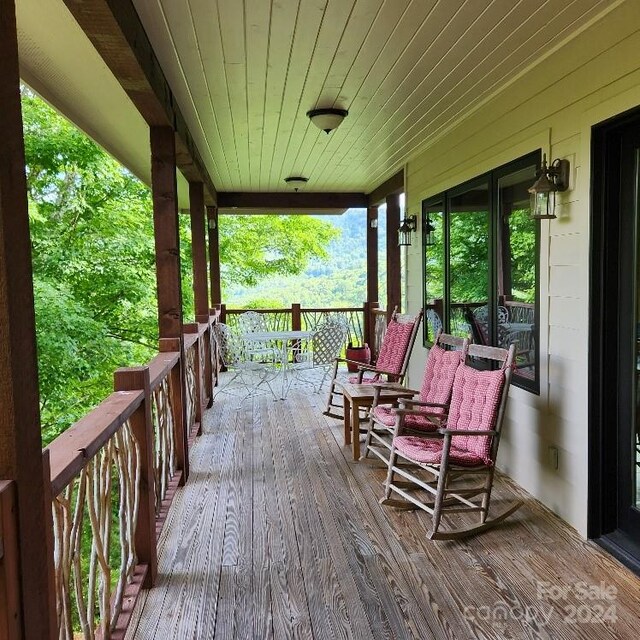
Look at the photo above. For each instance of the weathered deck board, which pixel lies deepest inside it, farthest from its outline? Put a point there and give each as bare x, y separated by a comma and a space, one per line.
279, 534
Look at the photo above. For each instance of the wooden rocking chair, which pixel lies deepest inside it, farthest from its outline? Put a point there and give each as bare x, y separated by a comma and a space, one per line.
431, 404
444, 471
392, 361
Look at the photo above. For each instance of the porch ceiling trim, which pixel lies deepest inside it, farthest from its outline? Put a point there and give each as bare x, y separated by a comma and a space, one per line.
115, 30
279, 201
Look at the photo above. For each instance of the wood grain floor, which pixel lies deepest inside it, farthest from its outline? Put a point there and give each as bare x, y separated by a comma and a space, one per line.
279, 534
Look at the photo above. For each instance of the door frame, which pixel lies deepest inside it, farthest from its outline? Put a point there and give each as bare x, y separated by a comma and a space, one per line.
605, 340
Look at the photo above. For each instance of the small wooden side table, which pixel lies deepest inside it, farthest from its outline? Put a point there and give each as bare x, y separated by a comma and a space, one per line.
356, 396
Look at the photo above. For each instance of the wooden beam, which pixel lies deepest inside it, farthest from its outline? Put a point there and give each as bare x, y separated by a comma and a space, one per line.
199, 252
214, 255
20, 435
393, 186
286, 200
115, 30
372, 254
167, 237
394, 296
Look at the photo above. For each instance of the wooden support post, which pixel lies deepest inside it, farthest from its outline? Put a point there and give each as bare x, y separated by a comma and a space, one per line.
214, 255
180, 427
366, 316
296, 317
20, 436
10, 619
372, 254
167, 239
199, 252
134, 379
394, 296
223, 313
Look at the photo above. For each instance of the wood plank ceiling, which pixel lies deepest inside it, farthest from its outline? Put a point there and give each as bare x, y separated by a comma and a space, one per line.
245, 72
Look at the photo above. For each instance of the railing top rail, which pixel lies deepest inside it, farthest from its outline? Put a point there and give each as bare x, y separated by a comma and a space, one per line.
189, 340
71, 450
160, 367
329, 309
239, 311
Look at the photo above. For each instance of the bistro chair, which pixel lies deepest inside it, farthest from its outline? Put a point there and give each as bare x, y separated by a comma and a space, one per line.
392, 361
246, 374
452, 469
325, 346
253, 322
431, 403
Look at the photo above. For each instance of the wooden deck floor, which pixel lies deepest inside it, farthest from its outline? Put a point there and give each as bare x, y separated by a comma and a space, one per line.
279, 534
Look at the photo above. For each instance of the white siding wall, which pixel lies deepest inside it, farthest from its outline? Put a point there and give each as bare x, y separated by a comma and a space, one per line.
594, 76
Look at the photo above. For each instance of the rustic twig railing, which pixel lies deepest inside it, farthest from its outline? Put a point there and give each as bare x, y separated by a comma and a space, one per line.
112, 476
97, 469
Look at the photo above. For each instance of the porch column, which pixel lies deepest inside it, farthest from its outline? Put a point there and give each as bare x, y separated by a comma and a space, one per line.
394, 297
372, 254
167, 240
20, 436
199, 252
214, 255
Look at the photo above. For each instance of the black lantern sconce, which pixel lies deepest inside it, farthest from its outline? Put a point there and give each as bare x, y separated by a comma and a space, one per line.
549, 181
409, 224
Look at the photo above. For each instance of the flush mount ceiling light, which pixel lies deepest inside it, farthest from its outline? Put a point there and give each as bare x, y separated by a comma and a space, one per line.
327, 119
296, 182
543, 191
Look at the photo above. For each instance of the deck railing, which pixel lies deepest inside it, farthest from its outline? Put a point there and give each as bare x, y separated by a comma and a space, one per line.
297, 317
112, 476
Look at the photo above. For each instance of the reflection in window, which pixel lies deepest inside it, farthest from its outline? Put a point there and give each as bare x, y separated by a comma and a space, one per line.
481, 264
433, 244
468, 256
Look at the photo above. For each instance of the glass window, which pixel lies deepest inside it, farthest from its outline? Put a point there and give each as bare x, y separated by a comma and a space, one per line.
480, 261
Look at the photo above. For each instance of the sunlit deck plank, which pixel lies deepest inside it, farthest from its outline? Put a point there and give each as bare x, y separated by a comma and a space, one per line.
279, 534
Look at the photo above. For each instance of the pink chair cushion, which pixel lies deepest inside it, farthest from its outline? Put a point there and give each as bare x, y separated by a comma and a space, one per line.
439, 374
365, 379
474, 405
385, 415
430, 451
394, 346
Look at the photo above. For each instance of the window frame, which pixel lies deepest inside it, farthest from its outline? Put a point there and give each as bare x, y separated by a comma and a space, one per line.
442, 199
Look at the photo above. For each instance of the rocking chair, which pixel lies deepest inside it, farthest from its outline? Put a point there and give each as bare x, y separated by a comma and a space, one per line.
431, 404
392, 362
455, 464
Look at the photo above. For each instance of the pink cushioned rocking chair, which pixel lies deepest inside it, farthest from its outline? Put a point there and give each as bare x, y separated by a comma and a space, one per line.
392, 361
431, 404
445, 470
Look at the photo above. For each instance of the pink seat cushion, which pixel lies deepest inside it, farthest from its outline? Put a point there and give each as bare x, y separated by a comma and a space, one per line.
385, 414
474, 405
430, 451
439, 374
365, 379
394, 346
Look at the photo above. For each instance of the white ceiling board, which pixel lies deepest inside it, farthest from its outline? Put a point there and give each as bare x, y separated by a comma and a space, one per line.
245, 72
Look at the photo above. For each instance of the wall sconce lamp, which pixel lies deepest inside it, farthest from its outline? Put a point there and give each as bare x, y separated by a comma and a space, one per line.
373, 223
409, 224
212, 224
327, 119
429, 233
549, 181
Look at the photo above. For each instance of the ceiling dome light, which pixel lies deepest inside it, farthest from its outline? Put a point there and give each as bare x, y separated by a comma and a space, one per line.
297, 182
327, 119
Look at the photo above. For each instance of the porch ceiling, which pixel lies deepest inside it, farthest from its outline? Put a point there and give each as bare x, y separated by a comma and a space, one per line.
246, 73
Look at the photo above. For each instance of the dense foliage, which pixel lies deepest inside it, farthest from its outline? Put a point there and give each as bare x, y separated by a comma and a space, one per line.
94, 263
